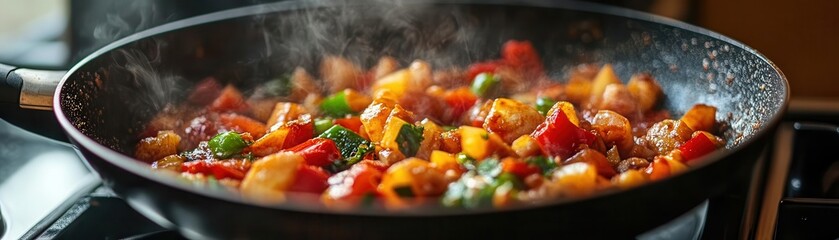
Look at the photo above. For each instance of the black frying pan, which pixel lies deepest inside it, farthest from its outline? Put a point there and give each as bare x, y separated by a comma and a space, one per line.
104, 100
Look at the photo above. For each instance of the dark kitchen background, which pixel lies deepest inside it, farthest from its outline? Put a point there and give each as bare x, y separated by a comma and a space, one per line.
799, 36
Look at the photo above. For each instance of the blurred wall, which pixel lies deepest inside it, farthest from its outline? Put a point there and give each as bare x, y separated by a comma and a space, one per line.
801, 37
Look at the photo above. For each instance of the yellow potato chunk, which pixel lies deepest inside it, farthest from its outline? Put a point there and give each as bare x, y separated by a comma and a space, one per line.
417, 77
645, 89
578, 90
396, 82
667, 135
604, 77
284, 112
477, 143
614, 129
574, 180
339, 73
412, 178
269, 143
374, 118
700, 117
302, 84
385, 66
420, 75
270, 176
391, 132
356, 101
510, 119
617, 98
526, 146
447, 164
172, 162
151, 149
629, 179
430, 138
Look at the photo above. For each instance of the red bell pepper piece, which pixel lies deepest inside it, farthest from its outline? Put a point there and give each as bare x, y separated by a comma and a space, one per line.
230, 100
482, 67
521, 56
519, 168
557, 136
459, 101
697, 147
361, 179
351, 123
239, 123
231, 168
310, 179
299, 131
318, 151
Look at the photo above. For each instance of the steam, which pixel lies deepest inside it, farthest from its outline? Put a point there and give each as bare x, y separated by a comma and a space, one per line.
445, 37
363, 34
146, 80
127, 19
150, 88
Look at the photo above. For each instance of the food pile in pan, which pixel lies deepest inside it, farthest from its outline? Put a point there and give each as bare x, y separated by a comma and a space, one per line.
496, 133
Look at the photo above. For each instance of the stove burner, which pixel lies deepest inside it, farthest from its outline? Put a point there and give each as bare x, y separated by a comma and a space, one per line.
802, 199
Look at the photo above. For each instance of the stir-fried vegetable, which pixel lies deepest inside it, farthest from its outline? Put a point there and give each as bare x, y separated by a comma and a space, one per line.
322, 124
483, 83
543, 104
495, 133
352, 146
557, 136
227, 144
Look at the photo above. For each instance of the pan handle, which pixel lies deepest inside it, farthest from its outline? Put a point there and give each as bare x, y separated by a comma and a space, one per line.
10, 84
30, 88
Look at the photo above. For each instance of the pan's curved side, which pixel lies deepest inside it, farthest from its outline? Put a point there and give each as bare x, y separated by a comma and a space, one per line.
618, 216
112, 95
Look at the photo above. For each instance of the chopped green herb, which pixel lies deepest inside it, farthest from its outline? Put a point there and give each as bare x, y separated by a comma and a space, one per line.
544, 163
480, 192
454, 194
249, 156
489, 167
466, 161
508, 178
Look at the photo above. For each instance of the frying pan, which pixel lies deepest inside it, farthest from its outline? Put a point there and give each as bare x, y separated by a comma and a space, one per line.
104, 100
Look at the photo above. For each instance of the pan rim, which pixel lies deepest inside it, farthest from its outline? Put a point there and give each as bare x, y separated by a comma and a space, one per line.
137, 168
